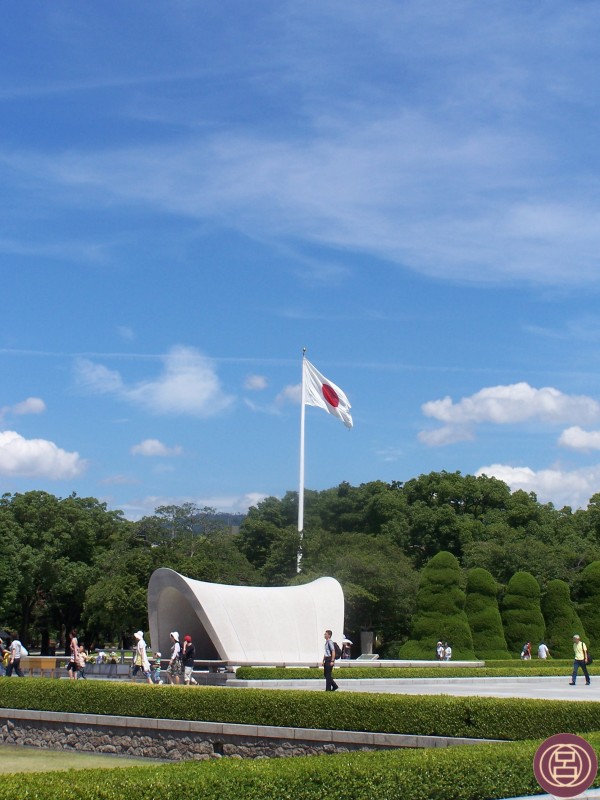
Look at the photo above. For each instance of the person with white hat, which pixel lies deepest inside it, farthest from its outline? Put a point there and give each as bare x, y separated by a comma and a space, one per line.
175, 668
140, 658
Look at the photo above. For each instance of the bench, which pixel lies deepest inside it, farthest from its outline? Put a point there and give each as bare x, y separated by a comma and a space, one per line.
41, 664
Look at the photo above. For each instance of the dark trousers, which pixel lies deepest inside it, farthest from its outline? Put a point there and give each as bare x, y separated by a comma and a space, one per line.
576, 665
16, 666
330, 684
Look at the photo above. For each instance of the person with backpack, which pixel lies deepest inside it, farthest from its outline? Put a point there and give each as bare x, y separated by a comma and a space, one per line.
329, 657
581, 659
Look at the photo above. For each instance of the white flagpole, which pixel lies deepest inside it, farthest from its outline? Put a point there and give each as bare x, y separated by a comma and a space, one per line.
301, 487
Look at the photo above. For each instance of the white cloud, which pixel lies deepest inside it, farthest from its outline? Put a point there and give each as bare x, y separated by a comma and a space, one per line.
578, 439
560, 487
97, 378
505, 405
37, 458
429, 168
290, 394
32, 405
255, 383
153, 447
188, 384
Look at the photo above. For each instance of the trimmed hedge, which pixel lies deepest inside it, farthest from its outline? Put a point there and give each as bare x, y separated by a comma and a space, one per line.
476, 717
492, 669
521, 613
482, 772
483, 614
440, 611
562, 621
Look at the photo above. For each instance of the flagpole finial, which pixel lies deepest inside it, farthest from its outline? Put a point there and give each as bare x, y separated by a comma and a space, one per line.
303, 351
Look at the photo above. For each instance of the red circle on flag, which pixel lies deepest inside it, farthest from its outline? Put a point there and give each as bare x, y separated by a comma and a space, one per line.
330, 395
565, 765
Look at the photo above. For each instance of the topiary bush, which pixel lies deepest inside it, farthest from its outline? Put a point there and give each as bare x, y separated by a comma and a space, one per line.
589, 602
483, 615
440, 612
521, 612
562, 621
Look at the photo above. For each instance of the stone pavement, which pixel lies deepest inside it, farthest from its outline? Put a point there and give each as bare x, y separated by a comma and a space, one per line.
542, 688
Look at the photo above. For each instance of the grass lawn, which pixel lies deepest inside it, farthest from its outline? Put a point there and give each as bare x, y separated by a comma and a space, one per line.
34, 759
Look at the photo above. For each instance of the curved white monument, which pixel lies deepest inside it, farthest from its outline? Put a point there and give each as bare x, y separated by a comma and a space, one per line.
245, 624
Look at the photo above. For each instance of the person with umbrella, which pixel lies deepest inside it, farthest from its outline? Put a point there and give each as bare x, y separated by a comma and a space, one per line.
346, 648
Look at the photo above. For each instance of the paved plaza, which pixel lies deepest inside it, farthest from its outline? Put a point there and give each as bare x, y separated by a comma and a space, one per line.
540, 688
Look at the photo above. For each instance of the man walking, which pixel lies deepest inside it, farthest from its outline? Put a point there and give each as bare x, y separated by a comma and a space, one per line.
328, 662
581, 658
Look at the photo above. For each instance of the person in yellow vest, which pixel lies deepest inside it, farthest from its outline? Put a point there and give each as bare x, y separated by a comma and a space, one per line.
580, 660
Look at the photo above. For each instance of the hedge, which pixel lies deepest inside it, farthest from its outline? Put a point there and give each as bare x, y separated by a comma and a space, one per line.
476, 717
492, 669
481, 772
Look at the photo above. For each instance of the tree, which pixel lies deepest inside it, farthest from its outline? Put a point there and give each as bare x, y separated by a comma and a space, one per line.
440, 611
483, 614
589, 601
378, 581
562, 621
521, 612
52, 544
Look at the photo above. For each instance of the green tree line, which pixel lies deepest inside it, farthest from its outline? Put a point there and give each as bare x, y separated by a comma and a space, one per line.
72, 562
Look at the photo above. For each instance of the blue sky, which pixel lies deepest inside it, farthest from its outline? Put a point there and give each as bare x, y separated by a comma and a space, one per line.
192, 192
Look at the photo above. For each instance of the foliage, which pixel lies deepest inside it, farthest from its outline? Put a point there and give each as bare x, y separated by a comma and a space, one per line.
456, 773
521, 612
378, 580
589, 601
71, 562
52, 544
440, 611
562, 621
492, 669
483, 614
428, 715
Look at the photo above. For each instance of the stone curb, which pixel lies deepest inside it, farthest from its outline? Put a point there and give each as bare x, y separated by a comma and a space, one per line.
137, 724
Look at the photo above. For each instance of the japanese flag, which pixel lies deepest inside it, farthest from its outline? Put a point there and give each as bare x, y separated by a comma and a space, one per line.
318, 391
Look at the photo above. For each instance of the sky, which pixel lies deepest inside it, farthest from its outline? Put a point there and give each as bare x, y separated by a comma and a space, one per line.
192, 193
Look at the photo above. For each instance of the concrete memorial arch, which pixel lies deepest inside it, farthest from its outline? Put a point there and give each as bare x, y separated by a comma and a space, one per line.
245, 624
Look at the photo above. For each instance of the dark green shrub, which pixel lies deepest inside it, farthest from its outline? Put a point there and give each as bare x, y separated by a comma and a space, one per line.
589, 602
440, 612
455, 773
476, 717
562, 621
493, 669
483, 614
521, 613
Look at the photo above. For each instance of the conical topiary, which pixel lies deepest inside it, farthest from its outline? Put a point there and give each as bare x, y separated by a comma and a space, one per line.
562, 621
521, 613
483, 614
440, 612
